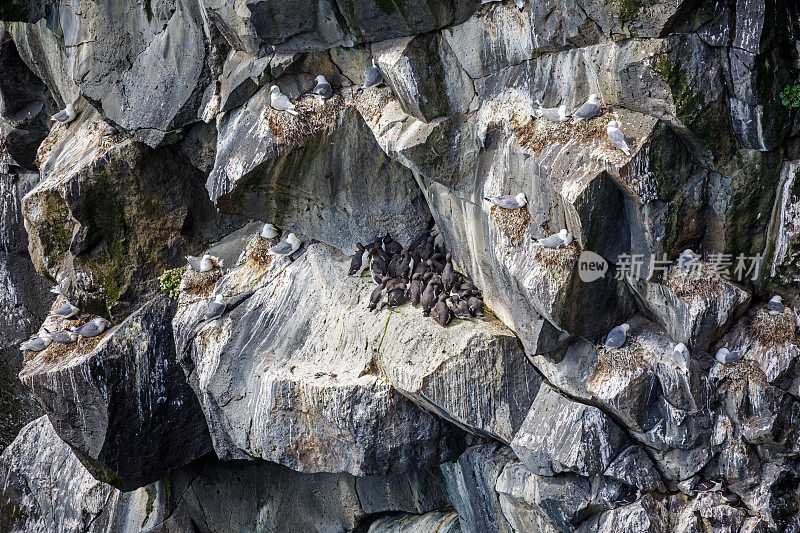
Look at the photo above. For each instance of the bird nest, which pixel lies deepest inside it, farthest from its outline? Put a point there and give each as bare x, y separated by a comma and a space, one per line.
513, 223
630, 359
742, 372
371, 104
200, 283
57, 352
557, 259
540, 133
773, 329
698, 284
257, 250
315, 116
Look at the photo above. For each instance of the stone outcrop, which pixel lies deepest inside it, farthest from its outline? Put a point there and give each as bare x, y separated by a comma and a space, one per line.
107, 396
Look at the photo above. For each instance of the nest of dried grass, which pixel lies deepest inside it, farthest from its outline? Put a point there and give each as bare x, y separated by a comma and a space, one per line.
513, 223
558, 259
540, 133
631, 358
315, 115
257, 250
201, 283
371, 104
699, 283
773, 330
742, 372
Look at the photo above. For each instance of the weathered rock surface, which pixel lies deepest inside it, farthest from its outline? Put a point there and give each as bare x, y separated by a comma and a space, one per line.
121, 401
364, 363
143, 211
208, 495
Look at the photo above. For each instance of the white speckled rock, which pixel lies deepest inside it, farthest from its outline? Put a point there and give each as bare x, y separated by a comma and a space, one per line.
433, 522
332, 370
560, 435
649, 513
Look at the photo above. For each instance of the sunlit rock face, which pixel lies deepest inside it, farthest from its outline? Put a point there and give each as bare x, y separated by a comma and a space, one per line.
118, 392
298, 409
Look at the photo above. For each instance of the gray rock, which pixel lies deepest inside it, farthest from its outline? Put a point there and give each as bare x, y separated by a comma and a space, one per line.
471, 483
302, 350
433, 522
122, 404
649, 513
560, 435
331, 197
635, 468
145, 210
562, 501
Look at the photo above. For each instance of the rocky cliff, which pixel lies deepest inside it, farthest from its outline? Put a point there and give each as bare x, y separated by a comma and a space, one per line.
299, 409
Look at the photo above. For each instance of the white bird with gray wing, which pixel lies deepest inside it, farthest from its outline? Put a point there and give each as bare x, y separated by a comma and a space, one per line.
65, 311
680, 355
617, 137
66, 115
215, 308
775, 306
372, 77
553, 114
616, 337
202, 264
93, 328
38, 343
726, 356
508, 201
280, 102
268, 231
323, 89
589, 110
562, 239
67, 336
288, 246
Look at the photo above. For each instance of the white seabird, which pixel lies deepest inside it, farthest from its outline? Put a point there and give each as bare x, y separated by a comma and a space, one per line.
727, 357
508, 201
268, 231
323, 89
280, 102
562, 239
372, 77
66, 115
288, 246
589, 110
202, 264
215, 308
93, 328
617, 137
38, 343
680, 354
617, 336
67, 336
65, 311
553, 114
775, 305
687, 259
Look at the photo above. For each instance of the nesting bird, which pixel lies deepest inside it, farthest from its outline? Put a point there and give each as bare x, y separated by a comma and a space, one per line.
687, 260
38, 343
562, 239
268, 231
509, 201
67, 336
775, 306
215, 308
280, 102
65, 311
727, 357
616, 337
66, 115
372, 77
93, 328
617, 137
680, 355
203, 264
288, 246
589, 110
553, 114
323, 89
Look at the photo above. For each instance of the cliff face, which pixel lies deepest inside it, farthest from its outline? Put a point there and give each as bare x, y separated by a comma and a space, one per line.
299, 409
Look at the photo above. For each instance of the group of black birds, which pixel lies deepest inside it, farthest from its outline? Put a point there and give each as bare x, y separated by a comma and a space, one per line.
422, 274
